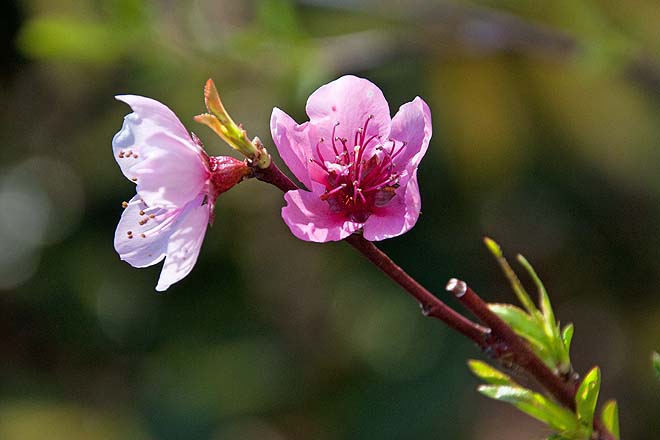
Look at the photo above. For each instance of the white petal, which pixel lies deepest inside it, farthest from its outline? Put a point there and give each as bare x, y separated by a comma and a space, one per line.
151, 137
184, 244
171, 175
147, 242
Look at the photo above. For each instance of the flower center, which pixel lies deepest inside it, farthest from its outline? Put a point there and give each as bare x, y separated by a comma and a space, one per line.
361, 177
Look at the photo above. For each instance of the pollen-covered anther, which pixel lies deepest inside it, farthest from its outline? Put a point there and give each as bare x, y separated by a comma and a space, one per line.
134, 179
143, 236
141, 212
143, 221
124, 204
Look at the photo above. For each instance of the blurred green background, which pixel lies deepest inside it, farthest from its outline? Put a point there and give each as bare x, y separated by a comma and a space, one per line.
546, 131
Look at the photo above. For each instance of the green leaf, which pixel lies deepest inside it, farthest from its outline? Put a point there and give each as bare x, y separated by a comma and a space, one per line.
586, 397
517, 286
525, 326
489, 374
544, 299
567, 336
610, 418
655, 359
535, 405
556, 344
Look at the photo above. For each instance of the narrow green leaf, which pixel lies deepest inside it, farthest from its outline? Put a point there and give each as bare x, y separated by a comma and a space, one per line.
556, 344
544, 299
655, 359
535, 405
610, 418
567, 336
489, 374
587, 395
525, 326
517, 286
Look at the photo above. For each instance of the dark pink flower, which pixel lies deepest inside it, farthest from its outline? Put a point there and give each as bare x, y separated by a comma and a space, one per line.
359, 164
177, 184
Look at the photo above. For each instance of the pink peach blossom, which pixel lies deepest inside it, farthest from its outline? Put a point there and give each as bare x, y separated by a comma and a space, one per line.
359, 164
177, 185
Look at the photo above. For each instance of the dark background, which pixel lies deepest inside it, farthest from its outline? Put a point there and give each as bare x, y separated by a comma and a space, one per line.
546, 130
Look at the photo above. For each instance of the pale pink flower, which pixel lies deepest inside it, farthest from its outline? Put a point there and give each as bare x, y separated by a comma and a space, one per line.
177, 184
359, 165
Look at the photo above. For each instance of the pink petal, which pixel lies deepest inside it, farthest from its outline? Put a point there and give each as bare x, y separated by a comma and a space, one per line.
185, 243
310, 219
293, 143
398, 216
348, 100
136, 249
412, 124
171, 175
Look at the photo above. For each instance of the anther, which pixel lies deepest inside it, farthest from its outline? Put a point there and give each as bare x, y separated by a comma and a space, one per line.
134, 179
141, 212
143, 236
152, 215
143, 221
124, 204
129, 233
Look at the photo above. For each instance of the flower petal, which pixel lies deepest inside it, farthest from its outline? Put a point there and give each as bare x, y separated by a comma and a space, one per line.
154, 116
310, 219
153, 132
185, 243
349, 101
171, 175
412, 124
293, 143
140, 240
398, 216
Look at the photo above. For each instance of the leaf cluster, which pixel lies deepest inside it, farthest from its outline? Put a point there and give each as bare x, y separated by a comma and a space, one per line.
551, 343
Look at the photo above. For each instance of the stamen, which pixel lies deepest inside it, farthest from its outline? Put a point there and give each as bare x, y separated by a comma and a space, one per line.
329, 194
334, 138
320, 156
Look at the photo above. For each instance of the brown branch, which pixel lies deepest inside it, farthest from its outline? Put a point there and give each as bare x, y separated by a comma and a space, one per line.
431, 305
498, 339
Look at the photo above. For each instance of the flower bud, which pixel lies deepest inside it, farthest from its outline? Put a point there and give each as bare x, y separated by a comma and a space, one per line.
226, 172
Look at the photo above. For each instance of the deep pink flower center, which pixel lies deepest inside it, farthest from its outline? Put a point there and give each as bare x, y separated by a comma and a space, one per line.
362, 176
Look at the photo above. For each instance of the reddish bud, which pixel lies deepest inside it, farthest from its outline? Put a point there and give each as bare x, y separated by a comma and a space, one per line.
226, 172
